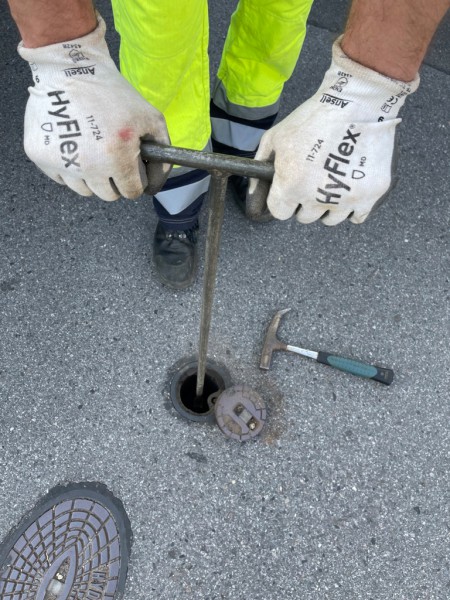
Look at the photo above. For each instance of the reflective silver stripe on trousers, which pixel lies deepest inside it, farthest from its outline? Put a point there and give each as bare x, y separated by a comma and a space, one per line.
220, 99
236, 135
177, 199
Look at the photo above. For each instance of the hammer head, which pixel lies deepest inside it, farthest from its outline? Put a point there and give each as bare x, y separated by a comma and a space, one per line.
271, 342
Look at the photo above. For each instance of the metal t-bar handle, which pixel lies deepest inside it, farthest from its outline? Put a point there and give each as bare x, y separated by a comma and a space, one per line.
232, 165
221, 166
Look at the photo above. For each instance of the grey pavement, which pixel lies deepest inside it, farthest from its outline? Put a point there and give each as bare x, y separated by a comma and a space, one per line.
346, 493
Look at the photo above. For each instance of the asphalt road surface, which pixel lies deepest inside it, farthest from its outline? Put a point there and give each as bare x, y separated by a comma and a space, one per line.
346, 493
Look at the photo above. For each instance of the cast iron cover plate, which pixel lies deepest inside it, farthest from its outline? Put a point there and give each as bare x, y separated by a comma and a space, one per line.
240, 412
73, 545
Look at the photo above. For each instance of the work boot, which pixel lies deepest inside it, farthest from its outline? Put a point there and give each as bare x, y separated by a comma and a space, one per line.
175, 256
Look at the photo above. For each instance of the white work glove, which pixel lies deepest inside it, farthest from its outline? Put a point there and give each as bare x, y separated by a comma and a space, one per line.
334, 155
84, 121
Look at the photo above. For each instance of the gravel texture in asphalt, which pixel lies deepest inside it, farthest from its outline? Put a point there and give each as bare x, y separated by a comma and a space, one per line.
346, 492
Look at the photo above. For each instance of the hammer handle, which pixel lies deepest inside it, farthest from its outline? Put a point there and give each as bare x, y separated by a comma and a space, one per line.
355, 367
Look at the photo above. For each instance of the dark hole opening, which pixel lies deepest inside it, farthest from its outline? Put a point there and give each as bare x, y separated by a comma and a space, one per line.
188, 397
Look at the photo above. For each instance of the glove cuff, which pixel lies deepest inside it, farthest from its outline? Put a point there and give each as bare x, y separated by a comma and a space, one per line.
352, 82
358, 70
72, 52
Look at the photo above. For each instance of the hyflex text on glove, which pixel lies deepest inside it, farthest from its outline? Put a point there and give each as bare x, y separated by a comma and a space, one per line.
334, 155
84, 121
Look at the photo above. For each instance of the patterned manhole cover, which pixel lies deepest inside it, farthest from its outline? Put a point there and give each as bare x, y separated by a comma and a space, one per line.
74, 545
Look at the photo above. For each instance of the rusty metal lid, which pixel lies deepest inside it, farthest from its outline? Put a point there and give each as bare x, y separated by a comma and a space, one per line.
240, 412
75, 543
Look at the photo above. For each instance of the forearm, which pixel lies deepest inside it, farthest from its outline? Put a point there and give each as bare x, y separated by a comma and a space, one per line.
44, 22
392, 36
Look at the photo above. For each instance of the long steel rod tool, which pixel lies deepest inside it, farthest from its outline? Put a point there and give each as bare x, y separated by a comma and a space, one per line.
221, 166
217, 193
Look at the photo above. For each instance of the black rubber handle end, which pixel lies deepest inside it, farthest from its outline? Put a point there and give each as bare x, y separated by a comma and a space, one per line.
385, 376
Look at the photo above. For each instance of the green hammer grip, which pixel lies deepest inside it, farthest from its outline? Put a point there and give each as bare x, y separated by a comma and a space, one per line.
356, 367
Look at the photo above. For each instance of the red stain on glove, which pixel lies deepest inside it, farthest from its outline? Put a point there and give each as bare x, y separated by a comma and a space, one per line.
126, 134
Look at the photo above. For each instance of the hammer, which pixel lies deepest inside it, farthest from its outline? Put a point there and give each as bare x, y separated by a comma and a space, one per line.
349, 365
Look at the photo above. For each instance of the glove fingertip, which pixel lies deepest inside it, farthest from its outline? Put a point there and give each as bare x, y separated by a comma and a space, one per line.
306, 220
332, 219
105, 189
279, 210
309, 214
85, 193
357, 219
56, 177
332, 223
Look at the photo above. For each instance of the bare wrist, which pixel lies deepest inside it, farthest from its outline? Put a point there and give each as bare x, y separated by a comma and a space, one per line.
373, 56
392, 36
42, 23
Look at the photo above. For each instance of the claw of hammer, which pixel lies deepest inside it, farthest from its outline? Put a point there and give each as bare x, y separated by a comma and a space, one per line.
271, 342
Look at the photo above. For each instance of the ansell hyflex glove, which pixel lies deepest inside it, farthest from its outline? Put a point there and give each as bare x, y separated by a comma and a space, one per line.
84, 121
334, 154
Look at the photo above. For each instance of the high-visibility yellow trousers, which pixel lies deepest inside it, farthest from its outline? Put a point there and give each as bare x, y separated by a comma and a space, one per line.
164, 55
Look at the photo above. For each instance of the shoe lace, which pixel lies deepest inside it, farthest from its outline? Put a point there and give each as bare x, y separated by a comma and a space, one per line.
182, 234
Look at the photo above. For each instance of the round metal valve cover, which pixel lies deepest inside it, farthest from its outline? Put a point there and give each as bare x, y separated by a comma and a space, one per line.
74, 545
240, 412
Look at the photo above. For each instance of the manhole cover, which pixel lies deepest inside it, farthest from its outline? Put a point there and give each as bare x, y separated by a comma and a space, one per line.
74, 545
240, 412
